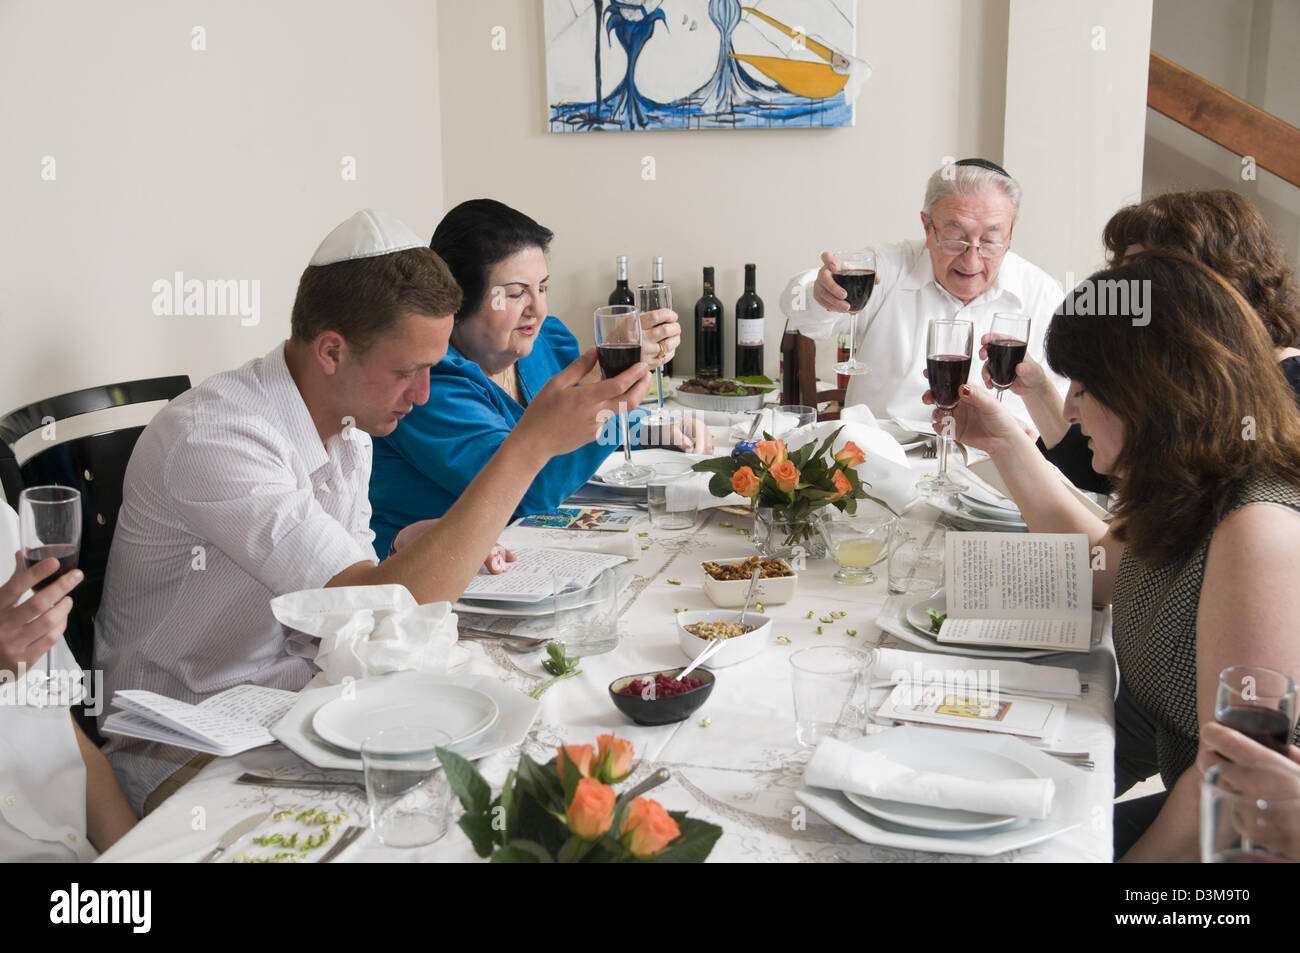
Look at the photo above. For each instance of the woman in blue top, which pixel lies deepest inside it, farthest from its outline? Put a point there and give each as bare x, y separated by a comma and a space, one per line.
504, 348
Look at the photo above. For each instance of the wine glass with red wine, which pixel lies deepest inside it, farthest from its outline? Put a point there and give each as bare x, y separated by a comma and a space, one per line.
618, 347
856, 274
1259, 702
49, 525
1008, 342
948, 346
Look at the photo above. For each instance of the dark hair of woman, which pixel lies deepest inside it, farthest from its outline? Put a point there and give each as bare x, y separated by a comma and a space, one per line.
477, 234
1225, 231
1203, 403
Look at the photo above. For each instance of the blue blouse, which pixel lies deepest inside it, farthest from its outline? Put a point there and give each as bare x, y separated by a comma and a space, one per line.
438, 449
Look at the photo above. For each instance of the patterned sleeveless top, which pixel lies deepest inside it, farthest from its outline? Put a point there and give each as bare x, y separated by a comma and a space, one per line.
1155, 635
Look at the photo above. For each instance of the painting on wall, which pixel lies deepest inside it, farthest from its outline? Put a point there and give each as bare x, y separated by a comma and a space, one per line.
701, 64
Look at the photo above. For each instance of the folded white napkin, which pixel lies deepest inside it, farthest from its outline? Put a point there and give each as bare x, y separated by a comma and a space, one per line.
774, 421
1045, 681
693, 493
886, 468
842, 767
371, 630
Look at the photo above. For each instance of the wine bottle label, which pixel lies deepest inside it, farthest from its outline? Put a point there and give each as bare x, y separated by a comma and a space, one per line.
749, 331
708, 321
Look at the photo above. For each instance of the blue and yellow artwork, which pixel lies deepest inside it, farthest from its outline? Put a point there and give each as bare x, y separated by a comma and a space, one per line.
701, 64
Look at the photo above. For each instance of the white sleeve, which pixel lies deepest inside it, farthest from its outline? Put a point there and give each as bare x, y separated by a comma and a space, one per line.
805, 314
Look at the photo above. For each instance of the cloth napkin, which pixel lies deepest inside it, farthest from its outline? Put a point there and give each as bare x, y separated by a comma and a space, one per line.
693, 493
369, 630
886, 468
1045, 681
774, 421
841, 767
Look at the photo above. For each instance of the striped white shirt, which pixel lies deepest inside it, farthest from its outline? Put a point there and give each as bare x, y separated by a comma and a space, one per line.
230, 500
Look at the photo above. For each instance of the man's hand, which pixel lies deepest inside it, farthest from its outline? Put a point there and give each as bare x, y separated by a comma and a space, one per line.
566, 415
661, 335
826, 292
29, 630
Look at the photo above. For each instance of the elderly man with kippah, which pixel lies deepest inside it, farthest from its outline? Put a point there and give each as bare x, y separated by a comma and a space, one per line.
963, 269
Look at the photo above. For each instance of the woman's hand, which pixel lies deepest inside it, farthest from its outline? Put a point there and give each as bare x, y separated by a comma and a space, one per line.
497, 559
660, 336
1030, 376
978, 420
692, 436
30, 629
1260, 773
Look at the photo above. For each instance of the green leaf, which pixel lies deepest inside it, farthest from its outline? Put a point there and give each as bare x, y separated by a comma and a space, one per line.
694, 844
757, 380
717, 465
507, 802
478, 828
470, 788
571, 778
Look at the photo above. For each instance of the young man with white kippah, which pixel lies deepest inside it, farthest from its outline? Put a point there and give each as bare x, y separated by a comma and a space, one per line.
254, 483
963, 269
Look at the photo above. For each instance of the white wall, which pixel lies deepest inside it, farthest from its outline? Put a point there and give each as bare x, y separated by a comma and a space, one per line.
773, 197
223, 163
1252, 49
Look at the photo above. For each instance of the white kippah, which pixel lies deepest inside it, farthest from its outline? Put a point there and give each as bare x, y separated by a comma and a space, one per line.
368, 234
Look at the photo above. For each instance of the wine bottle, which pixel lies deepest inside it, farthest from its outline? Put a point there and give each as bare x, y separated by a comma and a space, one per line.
708, 332
657, 278
790, 377
622, 294
749, 328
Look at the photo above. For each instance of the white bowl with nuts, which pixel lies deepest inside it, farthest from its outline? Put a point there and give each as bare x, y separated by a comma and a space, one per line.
729, 592
696, 629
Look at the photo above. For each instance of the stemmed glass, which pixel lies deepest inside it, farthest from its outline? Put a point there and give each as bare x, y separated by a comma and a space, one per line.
655, 298
856, 541
618, 347
1259, 702
948, 345
1008, 341
49, 525
857, 276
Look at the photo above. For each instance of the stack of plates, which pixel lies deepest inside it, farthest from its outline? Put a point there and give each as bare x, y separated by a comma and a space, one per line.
977, 505
919, 634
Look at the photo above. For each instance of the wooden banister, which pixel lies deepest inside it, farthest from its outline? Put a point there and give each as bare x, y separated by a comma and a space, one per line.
1218, 115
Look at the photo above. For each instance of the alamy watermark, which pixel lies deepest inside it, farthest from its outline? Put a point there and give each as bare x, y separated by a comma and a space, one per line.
1109, 298
59, 688
222, 297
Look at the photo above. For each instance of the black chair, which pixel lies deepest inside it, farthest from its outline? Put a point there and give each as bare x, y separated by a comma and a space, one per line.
95, 465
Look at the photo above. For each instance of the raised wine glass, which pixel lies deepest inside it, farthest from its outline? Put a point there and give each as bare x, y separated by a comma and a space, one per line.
1259, 702
948, 347
1008, 342
857, 276
618, 347
653, 297
49, 524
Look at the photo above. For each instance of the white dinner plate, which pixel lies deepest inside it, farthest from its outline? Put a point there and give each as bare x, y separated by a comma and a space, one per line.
516, 713
944, 756
429, 702
956, 507
649, 457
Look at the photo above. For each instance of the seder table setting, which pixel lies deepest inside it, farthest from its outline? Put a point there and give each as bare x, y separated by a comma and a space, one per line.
792, 761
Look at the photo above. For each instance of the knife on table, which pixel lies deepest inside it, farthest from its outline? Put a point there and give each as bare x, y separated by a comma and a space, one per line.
232, 835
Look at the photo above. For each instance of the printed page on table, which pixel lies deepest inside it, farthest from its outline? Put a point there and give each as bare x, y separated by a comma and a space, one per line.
529, 577
972, 709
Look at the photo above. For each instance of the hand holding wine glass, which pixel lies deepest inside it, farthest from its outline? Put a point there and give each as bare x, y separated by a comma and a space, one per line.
948, 356
1006, 345
49, 525
618, 347
655, 302
856, 274
31, 628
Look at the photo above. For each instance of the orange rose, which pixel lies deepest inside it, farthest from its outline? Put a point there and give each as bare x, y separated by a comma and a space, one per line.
771, 452
581, 756
850, 454
841, 483
592, 810
785, 475
614, 758
745, 483
648, 829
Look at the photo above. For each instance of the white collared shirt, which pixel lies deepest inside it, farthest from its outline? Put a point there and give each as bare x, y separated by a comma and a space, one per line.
42, 775
230, 499
892, 328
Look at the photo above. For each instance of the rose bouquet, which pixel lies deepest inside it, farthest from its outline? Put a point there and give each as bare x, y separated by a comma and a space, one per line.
568, 811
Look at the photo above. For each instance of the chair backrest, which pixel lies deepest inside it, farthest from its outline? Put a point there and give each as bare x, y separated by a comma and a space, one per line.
806, 354
96, 466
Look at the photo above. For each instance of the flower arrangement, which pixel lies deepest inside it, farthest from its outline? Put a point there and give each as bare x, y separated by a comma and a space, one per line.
793, 485
568, 811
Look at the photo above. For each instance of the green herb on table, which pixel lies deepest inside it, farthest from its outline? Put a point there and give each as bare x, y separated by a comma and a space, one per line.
784, 640
852, 632
557, 664
706, 722
936, 620
674, 582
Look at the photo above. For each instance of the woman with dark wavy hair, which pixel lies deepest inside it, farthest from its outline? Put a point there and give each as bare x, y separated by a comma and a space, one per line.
1218, 228
1196, 425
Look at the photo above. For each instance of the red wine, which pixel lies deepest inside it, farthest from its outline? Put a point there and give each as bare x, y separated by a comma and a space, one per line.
616, 358
708, 332
858, 284
749, 328
65, 553
1003, 358
947, 373
1268, 726
622, 294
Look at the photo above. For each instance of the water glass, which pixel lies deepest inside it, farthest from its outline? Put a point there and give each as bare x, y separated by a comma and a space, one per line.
406, 788
586, 620
678, 476
916, 556
831, 688
1250, 813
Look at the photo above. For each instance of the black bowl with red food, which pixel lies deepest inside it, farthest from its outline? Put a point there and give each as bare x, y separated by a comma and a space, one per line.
654, 698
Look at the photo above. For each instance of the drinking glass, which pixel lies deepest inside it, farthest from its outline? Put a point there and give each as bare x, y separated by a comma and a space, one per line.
856, 542
831, 688
948, 352
652, 298
856, 274
1250, 813
49, 525
406, 788
661, 517
916, 556
586, 620
1259, 702
618, 347
1009, 340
